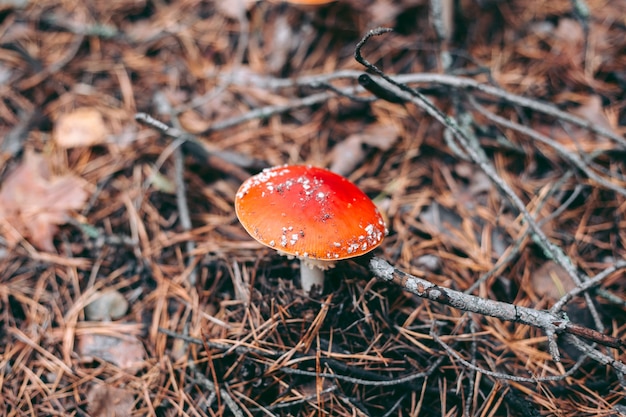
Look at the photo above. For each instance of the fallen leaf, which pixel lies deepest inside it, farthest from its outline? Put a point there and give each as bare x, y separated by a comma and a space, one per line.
479, 182
350, 152
106, 401
347, 155
33, 201
593, 111
234, 9
575, 138
441, 221
125, 351
382, 11
310, 2
193, 122
551, 281
570, 32
428, 262
280, 45
82, 127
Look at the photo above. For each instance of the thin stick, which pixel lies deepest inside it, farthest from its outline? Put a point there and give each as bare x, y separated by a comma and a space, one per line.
546, 320
551, 250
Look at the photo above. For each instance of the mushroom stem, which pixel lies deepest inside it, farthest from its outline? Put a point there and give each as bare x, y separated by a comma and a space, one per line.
311, 276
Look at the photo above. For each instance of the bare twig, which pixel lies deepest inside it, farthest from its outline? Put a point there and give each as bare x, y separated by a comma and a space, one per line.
500, 375
268, 111
450, 81
619, 366
220, 160
242, 45
517, 245
560, 149
441, 15
367, 378
550, 322
205, 382
590, 283
183, 210
550, 250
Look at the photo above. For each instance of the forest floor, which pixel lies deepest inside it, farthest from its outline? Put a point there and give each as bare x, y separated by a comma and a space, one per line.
128, 286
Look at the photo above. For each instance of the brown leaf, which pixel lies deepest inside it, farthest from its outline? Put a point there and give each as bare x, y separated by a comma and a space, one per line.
347, 155
280, 44
106, 401
193, 122
127, 352
234, 9
551, 281
82, 127
576, 138
310, 2
33, 201
350, 152
570, 31
592, 110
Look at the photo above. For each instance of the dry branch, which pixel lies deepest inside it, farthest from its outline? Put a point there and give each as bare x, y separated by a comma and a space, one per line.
551, 323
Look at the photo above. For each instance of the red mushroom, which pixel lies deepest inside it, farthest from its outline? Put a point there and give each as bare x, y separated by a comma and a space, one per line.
310, 213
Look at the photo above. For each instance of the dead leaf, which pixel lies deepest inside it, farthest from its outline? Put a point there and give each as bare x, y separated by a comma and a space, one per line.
592, 111
441, 221
193, 122
570, 32
347, 155
281, 44
310, 2
577, 139
551, 281
382, 11
33, 201
428, 262
350, 152
106, 401
125, 351
234, 9
82, 127
479, 182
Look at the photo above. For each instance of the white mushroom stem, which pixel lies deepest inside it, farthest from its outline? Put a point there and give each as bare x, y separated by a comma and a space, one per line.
312, 274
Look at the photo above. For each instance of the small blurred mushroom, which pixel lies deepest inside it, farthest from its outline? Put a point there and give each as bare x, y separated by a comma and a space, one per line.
109, 305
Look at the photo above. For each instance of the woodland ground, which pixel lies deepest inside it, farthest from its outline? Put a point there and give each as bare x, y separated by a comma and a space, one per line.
128, 287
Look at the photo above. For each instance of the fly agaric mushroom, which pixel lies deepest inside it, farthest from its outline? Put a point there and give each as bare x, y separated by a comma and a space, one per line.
309, 213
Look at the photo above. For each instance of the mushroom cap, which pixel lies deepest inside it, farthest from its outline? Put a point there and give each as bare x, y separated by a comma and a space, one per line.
309, 212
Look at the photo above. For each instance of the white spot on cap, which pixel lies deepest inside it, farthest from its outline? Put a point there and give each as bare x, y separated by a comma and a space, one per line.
353, 247
261, 178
